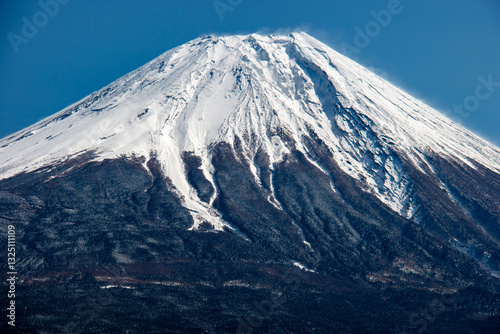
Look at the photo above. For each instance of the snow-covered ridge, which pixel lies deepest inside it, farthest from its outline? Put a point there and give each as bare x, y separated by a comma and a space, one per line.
256, 88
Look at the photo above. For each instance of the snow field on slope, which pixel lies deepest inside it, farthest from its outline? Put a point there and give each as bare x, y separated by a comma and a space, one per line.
256, 88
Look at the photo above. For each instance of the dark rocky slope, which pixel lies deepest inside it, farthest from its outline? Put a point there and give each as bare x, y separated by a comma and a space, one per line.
83, 226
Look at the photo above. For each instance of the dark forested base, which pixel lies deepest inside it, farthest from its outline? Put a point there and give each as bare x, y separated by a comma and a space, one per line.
81, 306
105, 247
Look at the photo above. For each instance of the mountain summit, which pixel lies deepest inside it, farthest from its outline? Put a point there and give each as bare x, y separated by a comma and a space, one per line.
247, 154
269, 92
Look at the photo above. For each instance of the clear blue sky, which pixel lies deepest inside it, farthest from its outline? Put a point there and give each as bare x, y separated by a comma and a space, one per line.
435, 50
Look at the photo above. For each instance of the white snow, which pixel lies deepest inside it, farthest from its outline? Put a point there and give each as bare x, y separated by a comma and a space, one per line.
214, 89
116, 286
303, 267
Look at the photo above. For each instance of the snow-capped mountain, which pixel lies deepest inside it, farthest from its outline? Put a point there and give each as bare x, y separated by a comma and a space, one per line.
291, 153
268, 91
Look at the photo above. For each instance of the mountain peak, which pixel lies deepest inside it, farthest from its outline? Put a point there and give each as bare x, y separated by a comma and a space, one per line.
264, 93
